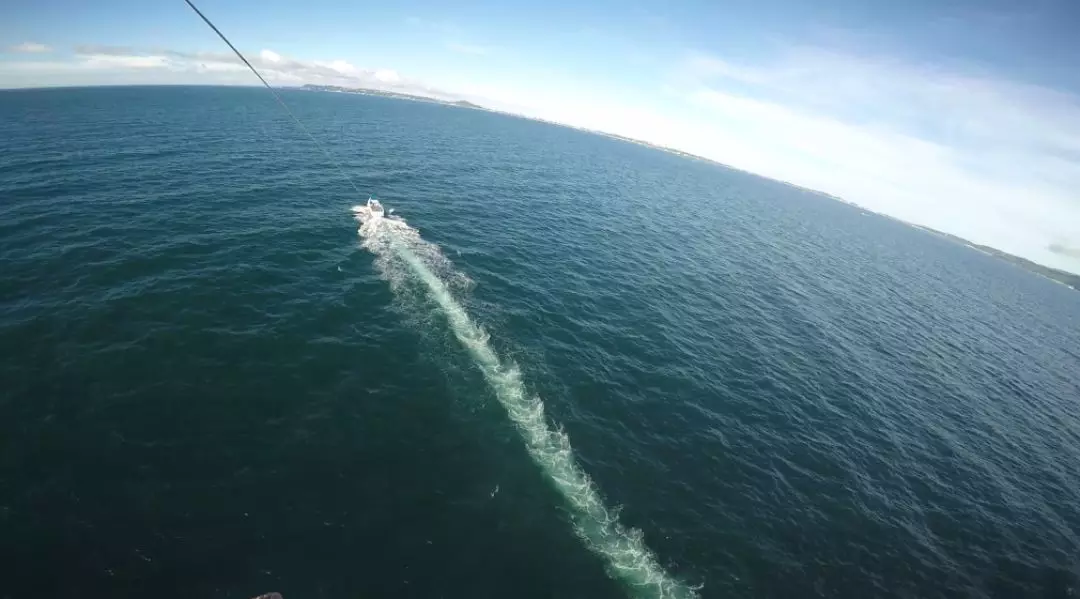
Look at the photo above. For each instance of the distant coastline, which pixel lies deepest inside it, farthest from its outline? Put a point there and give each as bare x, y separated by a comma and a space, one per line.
365, 91
1060, 276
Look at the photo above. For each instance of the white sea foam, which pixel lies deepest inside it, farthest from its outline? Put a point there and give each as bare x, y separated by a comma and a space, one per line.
402, 257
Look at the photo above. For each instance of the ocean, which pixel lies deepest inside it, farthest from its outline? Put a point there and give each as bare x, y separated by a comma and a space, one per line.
568, 367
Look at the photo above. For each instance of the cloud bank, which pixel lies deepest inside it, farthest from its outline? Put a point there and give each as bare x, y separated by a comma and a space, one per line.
100, 64
273, 66
29, 48
991, 160
1064, 250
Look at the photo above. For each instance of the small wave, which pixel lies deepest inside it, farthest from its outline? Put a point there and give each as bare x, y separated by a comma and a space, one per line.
402, 257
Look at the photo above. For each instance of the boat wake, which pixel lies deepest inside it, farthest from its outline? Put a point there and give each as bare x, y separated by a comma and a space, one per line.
402, 257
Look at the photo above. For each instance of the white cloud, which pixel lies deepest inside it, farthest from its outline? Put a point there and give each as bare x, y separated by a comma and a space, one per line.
126, 65
37, 66
991, 160
30, 48
938, 101
222, 67
387, 75
108, 61
342, 67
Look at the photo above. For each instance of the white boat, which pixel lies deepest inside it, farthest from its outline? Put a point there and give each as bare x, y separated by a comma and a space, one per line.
372, 212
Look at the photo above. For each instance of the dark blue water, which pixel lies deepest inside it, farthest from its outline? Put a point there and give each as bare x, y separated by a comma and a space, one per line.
210, 389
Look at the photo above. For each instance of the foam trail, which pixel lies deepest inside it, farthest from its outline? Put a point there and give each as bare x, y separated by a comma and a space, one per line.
395, 244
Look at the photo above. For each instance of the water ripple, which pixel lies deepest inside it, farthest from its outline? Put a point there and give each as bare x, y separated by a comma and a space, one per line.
789, 398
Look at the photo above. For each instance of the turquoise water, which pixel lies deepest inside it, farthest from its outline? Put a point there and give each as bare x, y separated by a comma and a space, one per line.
577, 368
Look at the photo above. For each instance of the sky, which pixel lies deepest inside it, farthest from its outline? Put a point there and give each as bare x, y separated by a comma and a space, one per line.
960, 115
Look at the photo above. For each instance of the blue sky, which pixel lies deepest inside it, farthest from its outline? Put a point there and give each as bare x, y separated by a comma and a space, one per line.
961, 115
